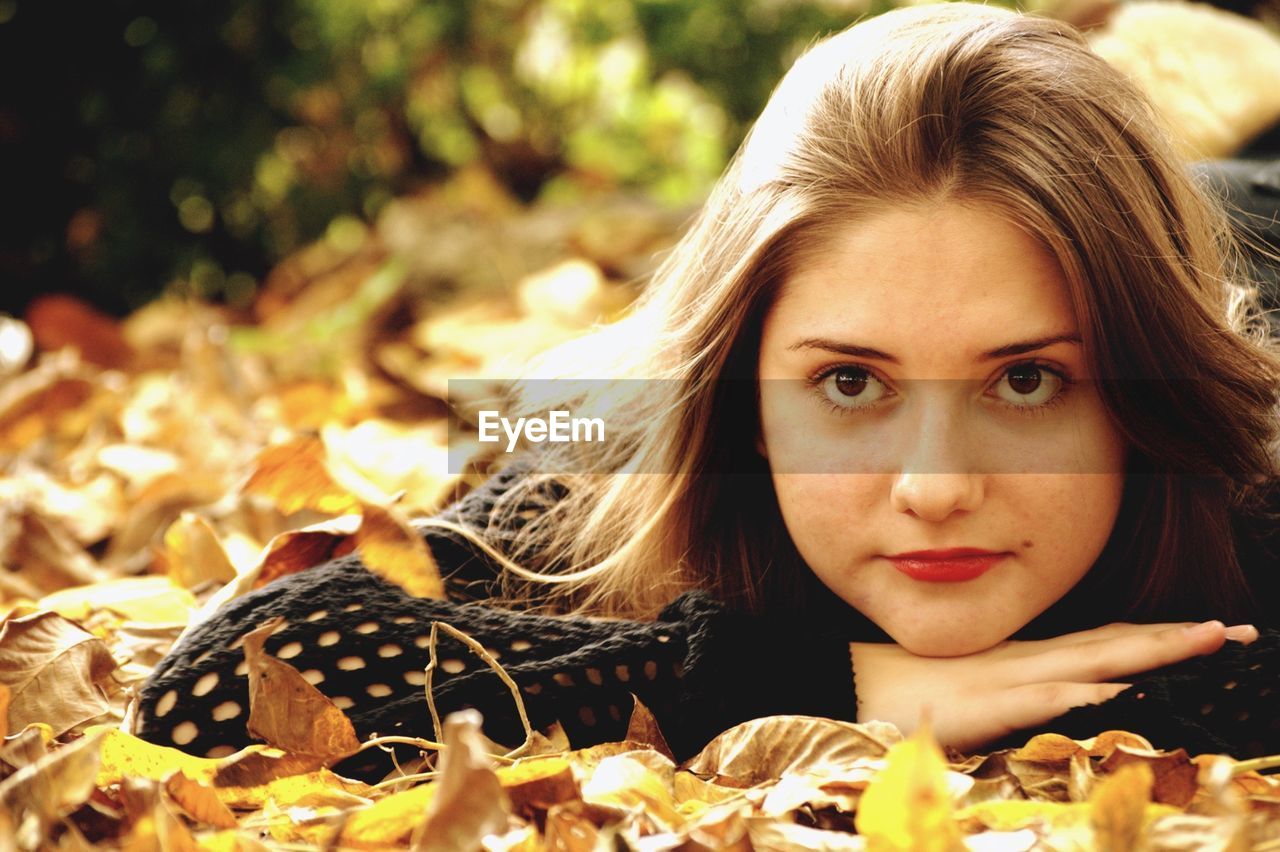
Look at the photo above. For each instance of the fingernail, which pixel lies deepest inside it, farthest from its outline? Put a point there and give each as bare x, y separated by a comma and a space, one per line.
1242, 632
1206, 628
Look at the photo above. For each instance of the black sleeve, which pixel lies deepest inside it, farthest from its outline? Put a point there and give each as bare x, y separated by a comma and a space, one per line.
362, 641
1222, 703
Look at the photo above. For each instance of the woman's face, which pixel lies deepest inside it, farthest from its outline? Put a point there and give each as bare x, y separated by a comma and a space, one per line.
923, 389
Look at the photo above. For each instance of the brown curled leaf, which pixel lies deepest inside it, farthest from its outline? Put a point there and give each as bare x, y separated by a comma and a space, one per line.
288, 712
201, 803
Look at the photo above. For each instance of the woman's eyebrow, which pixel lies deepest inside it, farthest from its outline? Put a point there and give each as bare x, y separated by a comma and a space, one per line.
853, 349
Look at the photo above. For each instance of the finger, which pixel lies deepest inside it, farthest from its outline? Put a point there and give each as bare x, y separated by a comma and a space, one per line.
1107, 631
1037, 703
1120, 656
1242, 633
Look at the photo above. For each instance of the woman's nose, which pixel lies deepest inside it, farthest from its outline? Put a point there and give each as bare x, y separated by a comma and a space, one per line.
935, 477
935, 496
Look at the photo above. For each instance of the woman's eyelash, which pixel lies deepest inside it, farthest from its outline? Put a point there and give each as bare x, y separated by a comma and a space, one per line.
1056, 400
815, 380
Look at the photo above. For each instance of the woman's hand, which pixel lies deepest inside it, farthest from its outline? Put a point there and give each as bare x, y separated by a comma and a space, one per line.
981, 697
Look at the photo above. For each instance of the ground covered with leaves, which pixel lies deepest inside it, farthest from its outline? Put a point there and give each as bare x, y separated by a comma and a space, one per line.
155, 467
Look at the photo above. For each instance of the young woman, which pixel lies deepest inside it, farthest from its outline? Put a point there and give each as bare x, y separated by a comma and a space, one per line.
954, 397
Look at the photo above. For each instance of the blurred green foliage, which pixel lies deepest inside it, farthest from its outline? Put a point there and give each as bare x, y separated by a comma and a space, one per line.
195, 144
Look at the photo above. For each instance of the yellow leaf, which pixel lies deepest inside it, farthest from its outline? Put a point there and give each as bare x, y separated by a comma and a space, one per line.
396, 553
1119, 807
533, 786
1014, 814
193, 554
289, 823
908, 805
389, 820
622, 781
377, 458
153, 600
127, 756
294, 476
1067, 819
259, 765
221, 841
317, 787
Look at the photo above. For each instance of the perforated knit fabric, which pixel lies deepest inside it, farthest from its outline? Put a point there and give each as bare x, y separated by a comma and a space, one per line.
364, 643
700, 667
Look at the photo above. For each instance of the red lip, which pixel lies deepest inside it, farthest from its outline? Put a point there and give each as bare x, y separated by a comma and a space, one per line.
952, 565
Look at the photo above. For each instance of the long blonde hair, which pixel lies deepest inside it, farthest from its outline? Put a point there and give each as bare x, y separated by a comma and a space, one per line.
947, 101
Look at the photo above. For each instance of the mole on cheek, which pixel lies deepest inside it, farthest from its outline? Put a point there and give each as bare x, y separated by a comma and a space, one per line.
1028, 544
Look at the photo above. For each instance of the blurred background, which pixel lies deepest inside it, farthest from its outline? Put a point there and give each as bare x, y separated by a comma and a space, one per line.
248, 248
190, 148
193, 146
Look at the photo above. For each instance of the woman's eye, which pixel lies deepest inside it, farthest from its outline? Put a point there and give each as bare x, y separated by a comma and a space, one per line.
1028, 385
852, 387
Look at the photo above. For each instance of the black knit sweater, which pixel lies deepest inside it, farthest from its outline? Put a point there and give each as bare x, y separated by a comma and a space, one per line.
700, 667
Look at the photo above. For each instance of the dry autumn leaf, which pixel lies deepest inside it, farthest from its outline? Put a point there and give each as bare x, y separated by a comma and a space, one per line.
51, 557
382, 457
907, 807
1173, 773
535, 785
120, 473
293, 475
298, 550
28, 745
150, 600
59, 320
199, 802
288, 712
1119, 808
192, 553
55, 671
469, 803
154, 824
388, 821
62, 779
643, 728
126, 756
47, 400
766, 749
625, 782
392, 550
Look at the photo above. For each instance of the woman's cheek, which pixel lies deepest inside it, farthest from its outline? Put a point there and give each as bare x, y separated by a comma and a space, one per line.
824, 513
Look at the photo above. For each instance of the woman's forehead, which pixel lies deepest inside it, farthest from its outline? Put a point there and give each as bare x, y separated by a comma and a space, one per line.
920, 275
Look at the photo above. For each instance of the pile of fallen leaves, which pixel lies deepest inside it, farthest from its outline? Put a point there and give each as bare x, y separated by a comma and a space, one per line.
155, 467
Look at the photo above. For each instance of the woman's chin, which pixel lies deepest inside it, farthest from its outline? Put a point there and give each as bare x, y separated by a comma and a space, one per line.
928, 643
